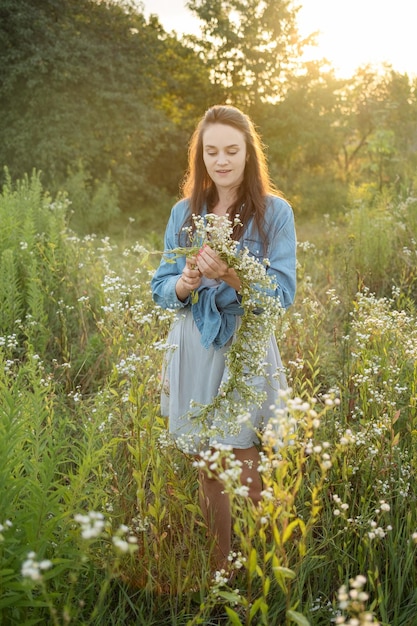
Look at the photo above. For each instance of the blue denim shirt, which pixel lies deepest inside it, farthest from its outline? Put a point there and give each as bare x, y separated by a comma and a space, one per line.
216, 309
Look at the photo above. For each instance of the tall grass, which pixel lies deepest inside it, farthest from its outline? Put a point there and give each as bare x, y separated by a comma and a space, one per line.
99, 515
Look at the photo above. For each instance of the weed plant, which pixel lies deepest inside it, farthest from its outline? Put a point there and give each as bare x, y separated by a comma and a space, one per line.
99, 515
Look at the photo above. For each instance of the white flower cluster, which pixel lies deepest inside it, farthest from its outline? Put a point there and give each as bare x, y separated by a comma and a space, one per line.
245, 359
32, 569
7, 524
140, 524
353, 601
92, 524
376, 317
236, 560
342, 506
130, 365
9, 341
123, 541
280, 429
378, 528
222, 462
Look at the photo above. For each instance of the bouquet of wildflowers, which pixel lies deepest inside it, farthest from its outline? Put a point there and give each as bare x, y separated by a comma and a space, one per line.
245, 360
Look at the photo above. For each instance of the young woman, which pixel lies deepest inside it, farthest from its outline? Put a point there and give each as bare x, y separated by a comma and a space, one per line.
227, 175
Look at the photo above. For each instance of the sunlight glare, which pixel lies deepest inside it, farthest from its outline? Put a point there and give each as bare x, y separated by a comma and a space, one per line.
355, 33
351, 34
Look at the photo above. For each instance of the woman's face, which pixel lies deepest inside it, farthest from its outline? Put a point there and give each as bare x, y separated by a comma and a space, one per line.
224, 155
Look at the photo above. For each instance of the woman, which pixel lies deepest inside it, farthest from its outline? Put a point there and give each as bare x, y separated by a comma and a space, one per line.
227, 176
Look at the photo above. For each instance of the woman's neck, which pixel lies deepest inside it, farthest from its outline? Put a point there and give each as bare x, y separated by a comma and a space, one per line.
223, 204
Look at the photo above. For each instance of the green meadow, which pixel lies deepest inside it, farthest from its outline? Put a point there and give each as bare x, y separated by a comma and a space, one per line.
99, 515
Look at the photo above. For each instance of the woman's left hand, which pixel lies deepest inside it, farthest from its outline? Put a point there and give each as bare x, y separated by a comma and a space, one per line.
210, 264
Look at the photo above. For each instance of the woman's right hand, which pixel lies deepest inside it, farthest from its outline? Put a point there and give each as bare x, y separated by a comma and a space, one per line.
189, 280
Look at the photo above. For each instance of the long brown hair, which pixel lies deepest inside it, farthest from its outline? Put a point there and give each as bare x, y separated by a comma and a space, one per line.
251, 196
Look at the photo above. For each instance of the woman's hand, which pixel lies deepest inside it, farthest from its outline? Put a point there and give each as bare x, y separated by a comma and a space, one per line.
189, 280
212, 266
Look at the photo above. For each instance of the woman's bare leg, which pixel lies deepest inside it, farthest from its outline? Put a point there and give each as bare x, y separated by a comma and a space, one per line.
215, 503
215, 506
250, 475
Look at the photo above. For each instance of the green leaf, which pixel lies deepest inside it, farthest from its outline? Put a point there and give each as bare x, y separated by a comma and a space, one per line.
298, 618
233, 617
281, 573
285, 572
252, 562
289, 530
258, 605
229, 596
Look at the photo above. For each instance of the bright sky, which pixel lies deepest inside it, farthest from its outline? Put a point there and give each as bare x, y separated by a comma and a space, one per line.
352, 32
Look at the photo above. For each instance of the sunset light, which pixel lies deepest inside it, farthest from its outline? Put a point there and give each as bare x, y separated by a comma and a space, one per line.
362, 31
349, 34
208, 320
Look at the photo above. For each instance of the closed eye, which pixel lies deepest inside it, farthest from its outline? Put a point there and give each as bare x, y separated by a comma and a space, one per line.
231, 150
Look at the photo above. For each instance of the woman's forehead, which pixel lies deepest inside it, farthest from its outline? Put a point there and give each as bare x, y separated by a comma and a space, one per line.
222, 135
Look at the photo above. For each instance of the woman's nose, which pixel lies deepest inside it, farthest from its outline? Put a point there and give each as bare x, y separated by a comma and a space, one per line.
222, 158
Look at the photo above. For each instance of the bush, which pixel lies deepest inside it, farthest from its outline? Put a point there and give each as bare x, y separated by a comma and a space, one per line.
94, 204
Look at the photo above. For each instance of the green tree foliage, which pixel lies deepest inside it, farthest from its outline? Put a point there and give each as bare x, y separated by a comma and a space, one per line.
391, 152
330, 137
87, 82
378, 130
248, 45
303, 135
103, 103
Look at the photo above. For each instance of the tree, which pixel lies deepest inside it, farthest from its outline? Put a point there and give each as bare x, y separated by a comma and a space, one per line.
400, 128
89, 87
379, 128
249, 46
302, 132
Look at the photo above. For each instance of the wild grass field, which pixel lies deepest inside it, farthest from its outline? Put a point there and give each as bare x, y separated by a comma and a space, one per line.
99, 515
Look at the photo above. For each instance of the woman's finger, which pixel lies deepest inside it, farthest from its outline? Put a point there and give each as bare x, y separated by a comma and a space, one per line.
191, 261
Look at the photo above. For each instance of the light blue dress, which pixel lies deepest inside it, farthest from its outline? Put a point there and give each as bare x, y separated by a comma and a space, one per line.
193, 368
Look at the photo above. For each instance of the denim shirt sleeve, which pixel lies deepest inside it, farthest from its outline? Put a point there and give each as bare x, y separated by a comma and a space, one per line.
282, 252
165, 278
282, 247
